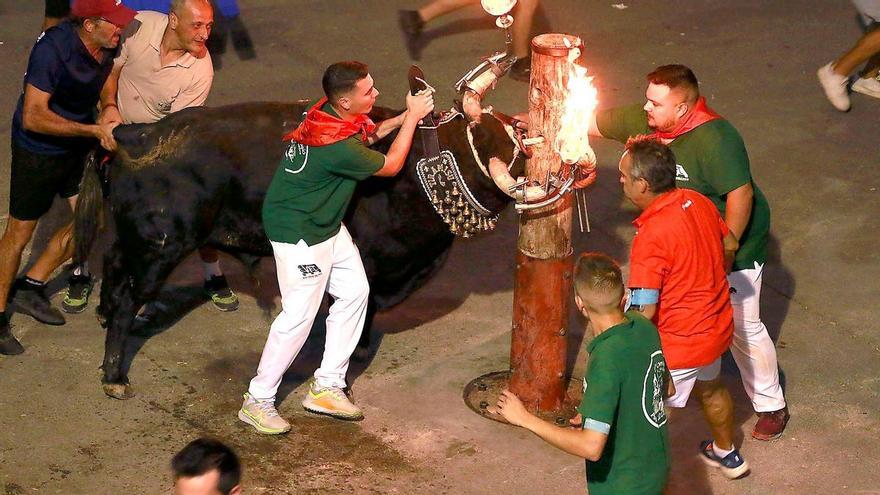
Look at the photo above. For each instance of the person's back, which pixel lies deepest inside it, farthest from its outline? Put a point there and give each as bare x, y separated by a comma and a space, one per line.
628, 358
679, 242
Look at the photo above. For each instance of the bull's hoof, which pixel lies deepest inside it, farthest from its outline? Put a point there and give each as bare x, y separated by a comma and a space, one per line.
121, 391
361, 354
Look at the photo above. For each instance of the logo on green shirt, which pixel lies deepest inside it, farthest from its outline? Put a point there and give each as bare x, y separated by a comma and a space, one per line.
681, 173
652, 392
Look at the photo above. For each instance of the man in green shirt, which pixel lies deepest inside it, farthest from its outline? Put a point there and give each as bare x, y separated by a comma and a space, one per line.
302, 213
621, 419
712, 160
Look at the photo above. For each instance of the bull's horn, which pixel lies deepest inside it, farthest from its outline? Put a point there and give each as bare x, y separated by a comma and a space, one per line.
471, 101
503, 180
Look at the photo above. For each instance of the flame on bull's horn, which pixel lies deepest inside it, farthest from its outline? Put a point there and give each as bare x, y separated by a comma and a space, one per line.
572, 142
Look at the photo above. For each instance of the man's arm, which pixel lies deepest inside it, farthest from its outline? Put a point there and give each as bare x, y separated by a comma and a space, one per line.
37, 117
731, 245
521, 120
385, 127
417, 106
109, 108
584, 443
739, 209
647, 310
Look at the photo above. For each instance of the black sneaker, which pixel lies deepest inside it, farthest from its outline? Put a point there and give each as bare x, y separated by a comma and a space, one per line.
221, 295
522, 69
77, 297
9, 345
411, 25
32, 301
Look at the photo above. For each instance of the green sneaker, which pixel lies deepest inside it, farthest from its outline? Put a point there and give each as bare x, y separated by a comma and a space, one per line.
77, 296
221, 295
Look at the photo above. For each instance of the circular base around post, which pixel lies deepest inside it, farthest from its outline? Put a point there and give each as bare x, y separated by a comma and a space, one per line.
483, 392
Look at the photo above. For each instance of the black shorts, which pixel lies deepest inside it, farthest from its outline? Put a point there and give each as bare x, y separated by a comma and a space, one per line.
57, 8
36, 179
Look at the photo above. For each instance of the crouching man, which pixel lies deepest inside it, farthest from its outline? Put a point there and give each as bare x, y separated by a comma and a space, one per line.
621, 422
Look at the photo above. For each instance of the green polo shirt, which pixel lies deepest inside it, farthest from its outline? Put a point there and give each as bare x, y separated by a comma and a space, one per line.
623, 398
711, 160
313, 186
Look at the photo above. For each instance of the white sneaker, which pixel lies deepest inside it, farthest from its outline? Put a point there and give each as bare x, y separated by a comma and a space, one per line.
835, 87
331, 401
867, 86
262, 415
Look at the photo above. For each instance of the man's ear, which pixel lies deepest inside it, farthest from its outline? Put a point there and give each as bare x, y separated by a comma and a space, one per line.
580, 305
642, 185
344, 102
236, 490
173, 20
682, 109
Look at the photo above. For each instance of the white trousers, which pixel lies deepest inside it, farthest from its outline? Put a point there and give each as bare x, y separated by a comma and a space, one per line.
684, 380
752, 348
304, 274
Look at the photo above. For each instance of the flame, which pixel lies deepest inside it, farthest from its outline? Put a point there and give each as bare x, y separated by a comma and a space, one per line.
581, 100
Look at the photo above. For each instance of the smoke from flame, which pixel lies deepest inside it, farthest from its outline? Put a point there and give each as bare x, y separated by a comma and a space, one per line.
581, 100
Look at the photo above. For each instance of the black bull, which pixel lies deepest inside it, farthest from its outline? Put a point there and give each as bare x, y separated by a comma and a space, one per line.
198, 177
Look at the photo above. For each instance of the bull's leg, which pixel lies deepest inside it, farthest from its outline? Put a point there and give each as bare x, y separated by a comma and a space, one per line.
115, 380
132, 287
112, 273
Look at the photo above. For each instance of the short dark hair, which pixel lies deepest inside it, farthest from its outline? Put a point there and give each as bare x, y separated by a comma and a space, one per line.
652, 161
676, 76
598, 281
341, 77
204, 455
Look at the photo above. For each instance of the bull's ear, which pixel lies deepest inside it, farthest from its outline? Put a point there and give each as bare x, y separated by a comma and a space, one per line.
416, 76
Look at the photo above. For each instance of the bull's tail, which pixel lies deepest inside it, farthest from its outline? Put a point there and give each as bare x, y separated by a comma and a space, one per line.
89, 206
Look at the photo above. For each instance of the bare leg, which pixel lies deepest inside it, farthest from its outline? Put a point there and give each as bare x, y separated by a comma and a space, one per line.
437, 8
524, 12
18, 233
867, 46
59, 250
718, 410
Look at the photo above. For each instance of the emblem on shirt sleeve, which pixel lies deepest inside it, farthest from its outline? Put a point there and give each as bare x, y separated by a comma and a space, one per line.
309, 271
652, 392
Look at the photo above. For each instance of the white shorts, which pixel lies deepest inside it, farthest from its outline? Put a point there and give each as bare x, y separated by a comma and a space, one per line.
685, 378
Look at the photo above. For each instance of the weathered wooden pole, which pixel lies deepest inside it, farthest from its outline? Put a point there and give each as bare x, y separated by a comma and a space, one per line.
542, 285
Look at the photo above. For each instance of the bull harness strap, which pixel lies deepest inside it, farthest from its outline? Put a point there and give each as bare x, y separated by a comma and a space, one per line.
441, 179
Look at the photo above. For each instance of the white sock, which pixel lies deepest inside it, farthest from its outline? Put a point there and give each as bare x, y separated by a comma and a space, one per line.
720, 452
212, 269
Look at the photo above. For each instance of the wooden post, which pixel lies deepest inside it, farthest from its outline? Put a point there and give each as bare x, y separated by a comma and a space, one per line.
542, 288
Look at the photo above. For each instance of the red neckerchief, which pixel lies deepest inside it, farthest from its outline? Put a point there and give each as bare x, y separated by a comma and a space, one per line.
697, 117
319, 128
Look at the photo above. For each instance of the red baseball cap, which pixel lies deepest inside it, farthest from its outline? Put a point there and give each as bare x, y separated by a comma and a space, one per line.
111, 10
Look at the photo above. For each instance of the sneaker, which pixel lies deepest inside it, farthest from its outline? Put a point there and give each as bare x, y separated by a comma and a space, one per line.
521, 70
32, 301
770, 425
732, 465
77, 297
262, 415
331, 401
9, 345
221, 295
867, 86
835, 87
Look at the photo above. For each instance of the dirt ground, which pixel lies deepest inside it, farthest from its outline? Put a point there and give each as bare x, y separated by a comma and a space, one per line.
756, 61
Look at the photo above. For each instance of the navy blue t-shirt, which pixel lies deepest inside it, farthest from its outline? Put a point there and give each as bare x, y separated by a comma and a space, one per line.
61, 65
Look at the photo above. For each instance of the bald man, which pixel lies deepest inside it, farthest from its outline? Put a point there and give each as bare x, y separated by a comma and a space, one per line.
163, 67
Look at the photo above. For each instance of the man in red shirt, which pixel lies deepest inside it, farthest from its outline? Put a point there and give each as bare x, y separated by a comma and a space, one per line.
678, 268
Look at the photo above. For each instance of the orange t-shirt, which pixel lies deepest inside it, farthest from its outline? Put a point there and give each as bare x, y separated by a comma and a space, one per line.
678, 250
